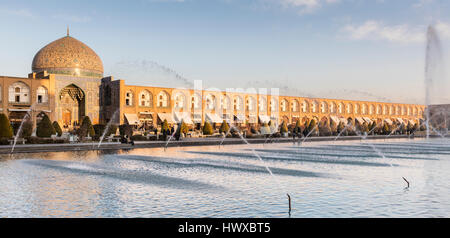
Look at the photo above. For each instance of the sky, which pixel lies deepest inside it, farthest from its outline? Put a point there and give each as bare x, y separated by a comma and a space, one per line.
346, 49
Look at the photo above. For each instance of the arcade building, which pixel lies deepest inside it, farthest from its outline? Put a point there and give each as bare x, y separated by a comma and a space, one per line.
67, 83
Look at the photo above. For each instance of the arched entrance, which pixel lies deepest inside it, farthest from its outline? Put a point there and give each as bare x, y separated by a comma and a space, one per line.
72, 104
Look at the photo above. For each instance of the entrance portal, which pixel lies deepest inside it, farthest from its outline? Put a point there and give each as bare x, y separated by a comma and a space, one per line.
72, 103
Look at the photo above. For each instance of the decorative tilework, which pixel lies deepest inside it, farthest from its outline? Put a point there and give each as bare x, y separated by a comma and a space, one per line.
68, 55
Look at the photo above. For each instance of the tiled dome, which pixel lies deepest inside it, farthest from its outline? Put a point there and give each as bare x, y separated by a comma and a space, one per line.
68, 56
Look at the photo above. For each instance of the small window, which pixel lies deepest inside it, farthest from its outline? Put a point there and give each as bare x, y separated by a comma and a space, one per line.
17, 98
17, 90
39, 98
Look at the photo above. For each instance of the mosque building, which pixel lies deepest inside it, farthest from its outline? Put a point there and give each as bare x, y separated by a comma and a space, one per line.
67, 83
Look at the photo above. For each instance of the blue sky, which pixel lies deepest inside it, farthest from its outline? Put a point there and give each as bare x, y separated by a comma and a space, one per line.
353, 49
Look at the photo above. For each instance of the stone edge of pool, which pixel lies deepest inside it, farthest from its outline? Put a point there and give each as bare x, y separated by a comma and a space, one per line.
34, 148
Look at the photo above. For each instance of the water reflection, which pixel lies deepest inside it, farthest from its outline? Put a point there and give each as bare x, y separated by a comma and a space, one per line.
337, 179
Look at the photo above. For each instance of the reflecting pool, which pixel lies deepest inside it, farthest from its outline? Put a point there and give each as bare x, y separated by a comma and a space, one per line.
324, 179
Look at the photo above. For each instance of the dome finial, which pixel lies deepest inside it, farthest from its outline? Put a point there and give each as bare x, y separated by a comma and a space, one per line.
67, 30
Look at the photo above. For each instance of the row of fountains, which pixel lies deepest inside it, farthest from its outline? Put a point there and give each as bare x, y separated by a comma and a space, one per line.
434, 74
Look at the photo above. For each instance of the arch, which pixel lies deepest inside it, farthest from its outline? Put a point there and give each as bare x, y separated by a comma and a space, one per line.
341, 107
371, 109
180, 100
364, 109
314, 106
196, 101
273, 105
145, 98
163, 99
251, 104
19, 92
357, 108
323, 107
262, 104
294, 105
349, 108
333, 107
238, 103
225, 102
391, 110
72, 98
385, 109
284, 105
305, 106
41, 94
379, 109
129, 98
210, 101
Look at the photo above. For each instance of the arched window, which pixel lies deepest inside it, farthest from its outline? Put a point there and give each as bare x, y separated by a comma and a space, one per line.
364, 109
262, 104
323, 107
349, 108
210, 102
129, 98
341, 107
378, 109
273, 105
163, 99
196, 102
42, 94
225, 103
356, 109
284, 105
180, 100
391, 110
305, 107
385, 110
251, 104
145, 98
332, 107
19, 93
238, 103
314, 107
371, 109
294, 106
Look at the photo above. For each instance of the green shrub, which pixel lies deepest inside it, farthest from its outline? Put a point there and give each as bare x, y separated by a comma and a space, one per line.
126, 130
224, 128
283, 128
138, 138
165, 125
27, 129
207, 129
312, 125
86, 128
386, 129
57, 128
99, 129
45, 127
5, 127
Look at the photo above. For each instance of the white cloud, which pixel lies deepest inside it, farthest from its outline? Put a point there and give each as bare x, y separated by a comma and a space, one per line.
16, 12
376, 30
305, 6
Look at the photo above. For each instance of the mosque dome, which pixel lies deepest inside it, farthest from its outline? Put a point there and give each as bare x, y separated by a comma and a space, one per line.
68, 56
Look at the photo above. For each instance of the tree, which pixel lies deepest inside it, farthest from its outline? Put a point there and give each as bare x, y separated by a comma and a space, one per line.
340, 127
164, 126
86, 128
283, 128
298, 127
386, 129
27, 128
333, 127
57, 128
207, 129
224, 127
5, 127
45, 127
125, 130
312, 126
